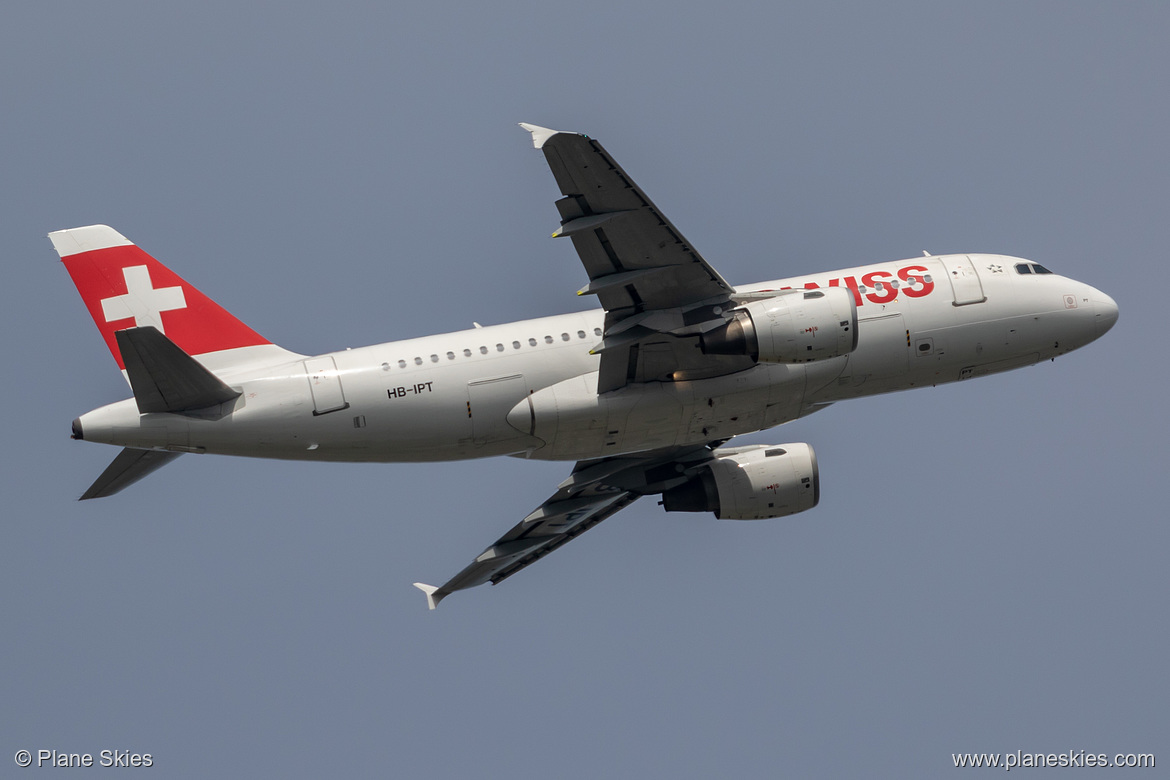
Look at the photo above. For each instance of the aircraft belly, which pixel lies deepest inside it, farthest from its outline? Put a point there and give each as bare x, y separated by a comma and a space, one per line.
578, 424
651, 422
751, 400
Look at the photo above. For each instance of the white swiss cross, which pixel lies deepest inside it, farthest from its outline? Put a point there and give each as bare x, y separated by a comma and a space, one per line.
142, 301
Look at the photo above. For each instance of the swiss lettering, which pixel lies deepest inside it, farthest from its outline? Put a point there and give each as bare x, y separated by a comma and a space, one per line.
881, 286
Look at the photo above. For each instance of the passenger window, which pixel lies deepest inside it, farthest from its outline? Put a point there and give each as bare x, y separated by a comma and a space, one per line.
597, 331
548, 339
515, 345
499, 347
434, 358
402, 364
450, 355
532, 342
1023, 268
418, 361
580, 334
467, 353
564, 337
483, 350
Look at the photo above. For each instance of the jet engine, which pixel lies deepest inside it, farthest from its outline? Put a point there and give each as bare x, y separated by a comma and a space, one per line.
751, 484
796, 327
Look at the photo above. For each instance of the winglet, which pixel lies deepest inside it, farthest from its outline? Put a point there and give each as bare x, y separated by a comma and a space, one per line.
539, 134
429, 590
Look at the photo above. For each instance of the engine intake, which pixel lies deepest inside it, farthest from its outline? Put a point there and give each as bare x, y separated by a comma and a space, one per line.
797, 327
756, 484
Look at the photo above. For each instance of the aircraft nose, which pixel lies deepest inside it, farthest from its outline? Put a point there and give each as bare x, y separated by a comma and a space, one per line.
1106, 310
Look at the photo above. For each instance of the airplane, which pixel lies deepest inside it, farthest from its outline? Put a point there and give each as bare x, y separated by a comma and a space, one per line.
642, 395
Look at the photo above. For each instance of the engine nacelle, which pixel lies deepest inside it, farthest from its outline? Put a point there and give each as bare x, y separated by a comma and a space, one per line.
753, 484
796, 327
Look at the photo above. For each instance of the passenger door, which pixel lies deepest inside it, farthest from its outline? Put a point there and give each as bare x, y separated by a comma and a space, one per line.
964, 278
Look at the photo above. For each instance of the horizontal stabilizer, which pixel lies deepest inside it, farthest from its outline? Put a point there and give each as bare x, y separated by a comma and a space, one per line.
165, 378
130, 466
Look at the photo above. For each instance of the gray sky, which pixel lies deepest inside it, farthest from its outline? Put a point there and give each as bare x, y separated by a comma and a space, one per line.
986, 571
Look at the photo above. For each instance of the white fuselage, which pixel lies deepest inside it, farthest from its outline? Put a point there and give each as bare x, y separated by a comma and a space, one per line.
529, 387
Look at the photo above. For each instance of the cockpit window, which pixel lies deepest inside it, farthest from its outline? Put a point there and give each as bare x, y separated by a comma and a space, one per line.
1031, 268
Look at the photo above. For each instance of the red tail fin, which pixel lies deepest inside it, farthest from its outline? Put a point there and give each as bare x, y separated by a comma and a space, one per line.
123, 287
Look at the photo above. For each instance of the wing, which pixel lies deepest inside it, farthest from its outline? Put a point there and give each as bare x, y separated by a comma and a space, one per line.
658, 292
594, 491
634, 256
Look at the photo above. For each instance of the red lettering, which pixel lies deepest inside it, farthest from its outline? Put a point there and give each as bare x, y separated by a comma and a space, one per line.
913, 279
886, 293
881, 286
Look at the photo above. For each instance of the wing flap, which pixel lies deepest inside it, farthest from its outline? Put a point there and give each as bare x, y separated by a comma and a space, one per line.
601, 512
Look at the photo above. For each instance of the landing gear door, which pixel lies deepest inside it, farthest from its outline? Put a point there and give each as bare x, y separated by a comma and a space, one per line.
964, 279
325, 385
